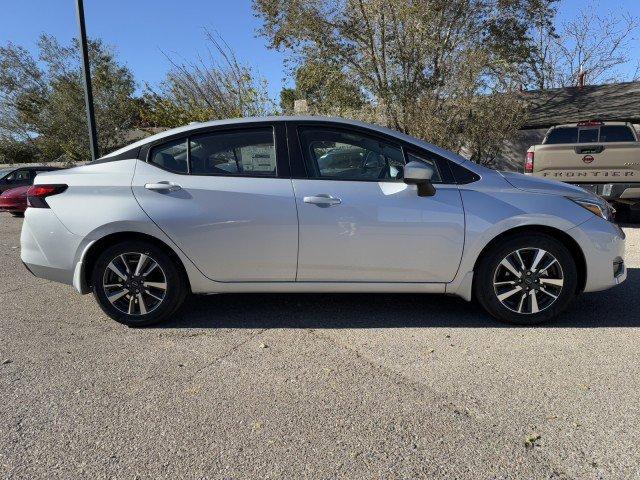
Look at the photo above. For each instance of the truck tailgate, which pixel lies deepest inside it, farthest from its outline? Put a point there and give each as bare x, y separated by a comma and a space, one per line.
588, 162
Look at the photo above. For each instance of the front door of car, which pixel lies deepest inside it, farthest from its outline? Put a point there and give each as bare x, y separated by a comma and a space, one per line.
217, 195
359, 222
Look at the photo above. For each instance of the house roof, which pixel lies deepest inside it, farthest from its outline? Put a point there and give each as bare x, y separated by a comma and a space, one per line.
617, 101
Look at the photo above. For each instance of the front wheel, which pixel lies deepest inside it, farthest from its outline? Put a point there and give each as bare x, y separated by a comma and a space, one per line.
137, 283
526, 279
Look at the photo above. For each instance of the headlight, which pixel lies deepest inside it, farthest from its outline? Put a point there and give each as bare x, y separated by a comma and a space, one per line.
603, 210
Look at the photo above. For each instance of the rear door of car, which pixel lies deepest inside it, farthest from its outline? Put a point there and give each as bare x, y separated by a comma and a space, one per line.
225, 197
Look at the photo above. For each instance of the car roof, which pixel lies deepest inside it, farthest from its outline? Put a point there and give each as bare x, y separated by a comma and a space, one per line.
286, 118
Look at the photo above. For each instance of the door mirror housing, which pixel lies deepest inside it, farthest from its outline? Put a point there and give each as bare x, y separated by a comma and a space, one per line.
420, 174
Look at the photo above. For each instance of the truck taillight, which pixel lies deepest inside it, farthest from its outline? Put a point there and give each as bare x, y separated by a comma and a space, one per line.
528, 164
37, 194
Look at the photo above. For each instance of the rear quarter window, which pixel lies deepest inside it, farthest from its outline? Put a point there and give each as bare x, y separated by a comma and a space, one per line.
562, 135
616, 133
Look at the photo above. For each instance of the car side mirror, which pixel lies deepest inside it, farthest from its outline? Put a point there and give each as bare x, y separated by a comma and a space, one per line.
420, 174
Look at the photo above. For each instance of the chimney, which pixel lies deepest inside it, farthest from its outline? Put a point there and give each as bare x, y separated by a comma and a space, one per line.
581, 76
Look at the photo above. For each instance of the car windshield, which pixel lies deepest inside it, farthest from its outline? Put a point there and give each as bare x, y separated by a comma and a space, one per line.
5, 171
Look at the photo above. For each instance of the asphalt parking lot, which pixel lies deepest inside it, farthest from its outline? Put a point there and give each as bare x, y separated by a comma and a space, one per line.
315, 386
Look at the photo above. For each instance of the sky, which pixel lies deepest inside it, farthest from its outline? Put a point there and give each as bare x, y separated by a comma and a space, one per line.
141, 30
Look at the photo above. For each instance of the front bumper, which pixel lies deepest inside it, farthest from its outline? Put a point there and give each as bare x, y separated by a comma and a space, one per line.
603, 246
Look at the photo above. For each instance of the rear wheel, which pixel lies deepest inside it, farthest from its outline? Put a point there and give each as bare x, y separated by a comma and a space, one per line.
137, 283
526, 279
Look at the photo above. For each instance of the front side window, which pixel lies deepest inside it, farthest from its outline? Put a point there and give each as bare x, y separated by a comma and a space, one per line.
172, 156
249, 152
335, 154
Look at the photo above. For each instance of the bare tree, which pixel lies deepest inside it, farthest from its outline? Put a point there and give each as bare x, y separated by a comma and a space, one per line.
595, 45
215, 86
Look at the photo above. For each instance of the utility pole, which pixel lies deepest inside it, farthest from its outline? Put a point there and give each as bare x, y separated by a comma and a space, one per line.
86, 75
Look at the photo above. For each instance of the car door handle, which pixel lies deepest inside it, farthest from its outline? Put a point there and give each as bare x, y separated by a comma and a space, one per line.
163, 186
322, 200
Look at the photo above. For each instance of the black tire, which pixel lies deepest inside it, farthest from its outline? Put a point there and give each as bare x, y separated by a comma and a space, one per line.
17, 214
171, 297
486, 274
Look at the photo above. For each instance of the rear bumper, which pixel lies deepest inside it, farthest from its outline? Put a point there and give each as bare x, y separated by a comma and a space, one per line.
47, 247
603, 246
623, 192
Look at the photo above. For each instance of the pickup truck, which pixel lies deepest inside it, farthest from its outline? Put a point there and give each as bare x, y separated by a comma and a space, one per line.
602, 157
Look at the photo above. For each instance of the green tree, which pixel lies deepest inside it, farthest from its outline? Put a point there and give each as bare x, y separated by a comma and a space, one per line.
325, 87
421, 65
42, 100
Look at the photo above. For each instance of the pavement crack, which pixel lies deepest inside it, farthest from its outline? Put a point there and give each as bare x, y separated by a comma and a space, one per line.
231, 351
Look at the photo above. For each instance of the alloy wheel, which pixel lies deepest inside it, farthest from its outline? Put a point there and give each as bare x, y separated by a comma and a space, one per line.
134, 283
528, 280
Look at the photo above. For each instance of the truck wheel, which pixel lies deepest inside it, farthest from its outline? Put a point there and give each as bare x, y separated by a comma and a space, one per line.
526, 279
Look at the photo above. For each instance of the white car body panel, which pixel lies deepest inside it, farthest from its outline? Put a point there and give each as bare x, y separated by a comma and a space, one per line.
380, 232
236, 229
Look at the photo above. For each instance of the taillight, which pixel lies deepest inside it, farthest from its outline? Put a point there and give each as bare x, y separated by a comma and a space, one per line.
528, 164
37, 194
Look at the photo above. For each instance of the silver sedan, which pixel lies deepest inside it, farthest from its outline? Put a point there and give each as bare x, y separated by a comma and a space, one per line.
312, 204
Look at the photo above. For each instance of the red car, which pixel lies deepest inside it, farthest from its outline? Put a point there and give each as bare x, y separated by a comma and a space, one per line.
14, 200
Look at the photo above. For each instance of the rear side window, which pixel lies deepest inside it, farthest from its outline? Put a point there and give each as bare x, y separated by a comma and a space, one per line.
172, 156
247, 152
562, 135
616, 133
